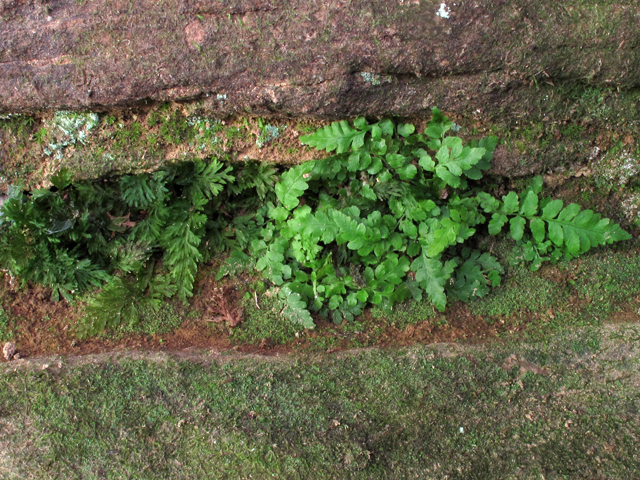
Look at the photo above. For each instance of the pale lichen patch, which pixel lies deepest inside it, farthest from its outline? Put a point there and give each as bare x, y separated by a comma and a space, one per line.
444, 11
68, 128
617, 169
630, 207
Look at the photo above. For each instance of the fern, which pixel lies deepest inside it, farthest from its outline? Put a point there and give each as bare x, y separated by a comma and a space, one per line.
386, 219
295, 308
141, 191
293, 184
554, 229
207, 181
338, 136
122, 301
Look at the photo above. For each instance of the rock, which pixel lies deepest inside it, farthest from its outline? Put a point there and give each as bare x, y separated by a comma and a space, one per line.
9, 350
298, 57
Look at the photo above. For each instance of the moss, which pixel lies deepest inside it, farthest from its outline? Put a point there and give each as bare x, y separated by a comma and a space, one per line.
511, 411
32, 148
522, 292
264, 323
6, 332
557, 126
165, 320
405, 314
607, 281
19, 126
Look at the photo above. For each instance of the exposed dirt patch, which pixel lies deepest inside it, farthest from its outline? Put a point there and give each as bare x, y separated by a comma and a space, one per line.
43, 327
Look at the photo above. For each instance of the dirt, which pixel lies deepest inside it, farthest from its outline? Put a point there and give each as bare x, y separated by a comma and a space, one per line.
44, 327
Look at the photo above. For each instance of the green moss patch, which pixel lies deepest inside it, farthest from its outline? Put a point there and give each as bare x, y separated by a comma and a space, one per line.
562, 408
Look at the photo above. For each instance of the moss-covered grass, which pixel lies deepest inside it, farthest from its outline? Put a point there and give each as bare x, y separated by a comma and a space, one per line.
92, 145
586, 291
263, 322
565, 408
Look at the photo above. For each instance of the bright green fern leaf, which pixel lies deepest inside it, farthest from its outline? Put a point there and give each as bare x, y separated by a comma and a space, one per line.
338, 136
293, 184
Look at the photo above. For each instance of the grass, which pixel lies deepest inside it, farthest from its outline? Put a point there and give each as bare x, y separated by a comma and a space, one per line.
564, 408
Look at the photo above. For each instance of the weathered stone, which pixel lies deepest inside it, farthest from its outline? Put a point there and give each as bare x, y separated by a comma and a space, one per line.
9, 350
306, 57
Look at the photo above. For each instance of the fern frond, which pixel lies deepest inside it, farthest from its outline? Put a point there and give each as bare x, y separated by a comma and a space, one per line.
117, 301
141, 191
181, 242
261, 176
339, 136
208, 180
293, 184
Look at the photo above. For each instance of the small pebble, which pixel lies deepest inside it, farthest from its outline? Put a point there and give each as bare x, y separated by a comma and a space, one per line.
9, 350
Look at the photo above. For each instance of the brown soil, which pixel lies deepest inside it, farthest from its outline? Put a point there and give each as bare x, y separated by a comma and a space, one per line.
44, 327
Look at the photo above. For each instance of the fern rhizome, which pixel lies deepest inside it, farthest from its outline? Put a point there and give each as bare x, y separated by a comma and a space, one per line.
387, 217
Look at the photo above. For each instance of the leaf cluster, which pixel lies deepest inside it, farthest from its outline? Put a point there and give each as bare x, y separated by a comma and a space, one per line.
546, 229
127, 231
390, 216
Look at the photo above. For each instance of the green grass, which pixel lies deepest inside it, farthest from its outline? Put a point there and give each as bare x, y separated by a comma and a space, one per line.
560, 409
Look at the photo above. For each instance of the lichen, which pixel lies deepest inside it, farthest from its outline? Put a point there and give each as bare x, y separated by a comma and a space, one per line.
68, 128
444, 11
267, 134
617, 169
630, 207
375, 79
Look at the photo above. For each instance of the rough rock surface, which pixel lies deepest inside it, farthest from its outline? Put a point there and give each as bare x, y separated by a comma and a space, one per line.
9, 350
307, 57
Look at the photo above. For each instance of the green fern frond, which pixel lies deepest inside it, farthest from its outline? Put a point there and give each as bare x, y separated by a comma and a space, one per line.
181, 242
141, 191
207, 180
339, 136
